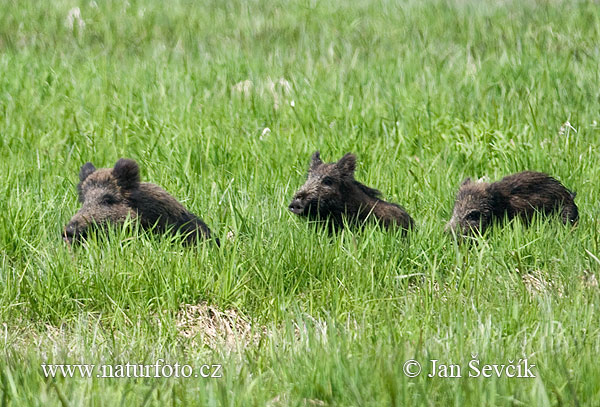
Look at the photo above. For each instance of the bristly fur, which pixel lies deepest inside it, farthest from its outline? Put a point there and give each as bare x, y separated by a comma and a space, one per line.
371, 192
111, 195
331, 193
479, 204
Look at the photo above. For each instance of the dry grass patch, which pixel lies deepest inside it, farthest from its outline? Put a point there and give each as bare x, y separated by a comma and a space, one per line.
215, 328
539, 282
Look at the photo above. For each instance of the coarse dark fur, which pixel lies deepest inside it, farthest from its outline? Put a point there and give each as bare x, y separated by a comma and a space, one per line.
331, 193
479, 204
111, 195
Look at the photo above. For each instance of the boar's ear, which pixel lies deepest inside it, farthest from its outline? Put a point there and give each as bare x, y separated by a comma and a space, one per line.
127, 173
347, 164
315, 160
86, 170
466, 181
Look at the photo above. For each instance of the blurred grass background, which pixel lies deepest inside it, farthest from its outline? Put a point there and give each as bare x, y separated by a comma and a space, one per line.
424, 93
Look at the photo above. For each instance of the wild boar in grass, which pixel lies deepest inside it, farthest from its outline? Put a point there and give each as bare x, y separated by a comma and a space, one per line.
112, 195
331, 194
479, 204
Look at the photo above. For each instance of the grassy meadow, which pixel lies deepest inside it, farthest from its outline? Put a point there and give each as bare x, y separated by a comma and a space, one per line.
222, 103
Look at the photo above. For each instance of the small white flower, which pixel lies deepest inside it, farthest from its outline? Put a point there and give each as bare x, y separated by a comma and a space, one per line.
266, 131
292, 103
565, 128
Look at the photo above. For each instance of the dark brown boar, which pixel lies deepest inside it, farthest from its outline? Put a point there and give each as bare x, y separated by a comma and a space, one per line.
479, 204
331, 193
111, 195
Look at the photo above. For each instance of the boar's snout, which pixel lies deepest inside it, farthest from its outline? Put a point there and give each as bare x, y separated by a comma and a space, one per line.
452, 227
73, 233
297, 206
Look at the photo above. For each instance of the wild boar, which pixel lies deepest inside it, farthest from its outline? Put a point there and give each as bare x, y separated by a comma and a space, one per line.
331, 193
111, 195
479, 204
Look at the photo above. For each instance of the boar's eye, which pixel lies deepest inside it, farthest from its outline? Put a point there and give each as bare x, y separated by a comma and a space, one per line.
474, 216
327, 181
108, 200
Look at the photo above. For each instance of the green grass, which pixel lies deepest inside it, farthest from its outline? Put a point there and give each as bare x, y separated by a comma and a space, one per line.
424, 93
